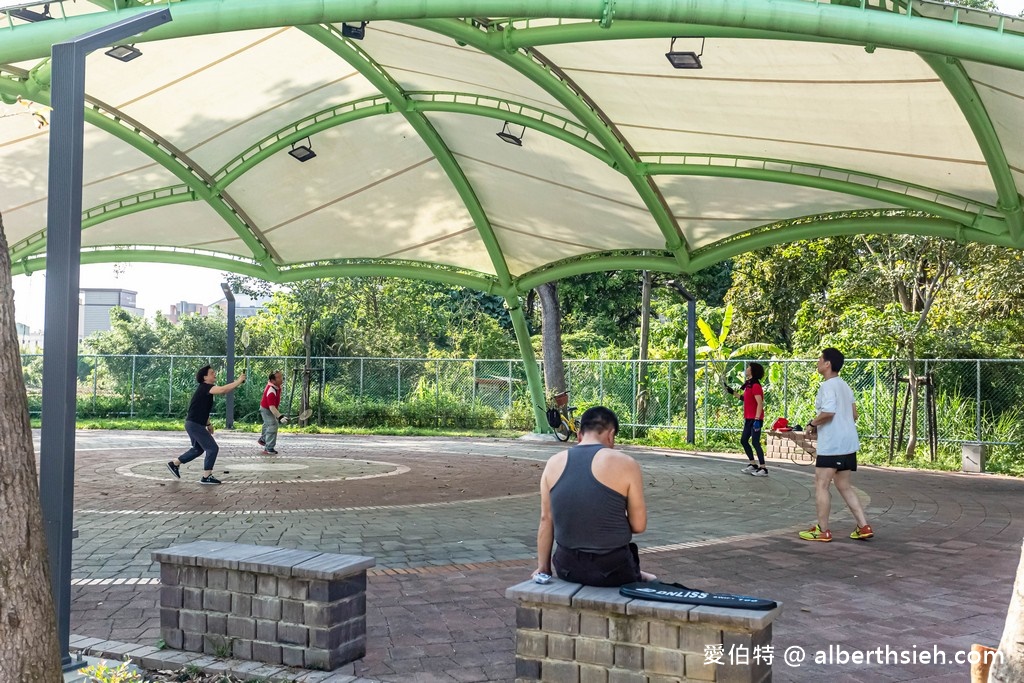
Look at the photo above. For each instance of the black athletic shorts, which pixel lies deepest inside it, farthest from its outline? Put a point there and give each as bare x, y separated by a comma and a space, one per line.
610, 569
839, 463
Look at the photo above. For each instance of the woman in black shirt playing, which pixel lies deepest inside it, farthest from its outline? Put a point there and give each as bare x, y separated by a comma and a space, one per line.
197, 423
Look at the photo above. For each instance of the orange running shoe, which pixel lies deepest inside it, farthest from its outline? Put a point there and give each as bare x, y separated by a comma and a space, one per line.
862, 533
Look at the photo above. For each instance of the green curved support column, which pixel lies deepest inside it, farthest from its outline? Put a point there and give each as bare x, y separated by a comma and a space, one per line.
533, 377
331, 38
622, 159
960, 87
880, 225
174, 161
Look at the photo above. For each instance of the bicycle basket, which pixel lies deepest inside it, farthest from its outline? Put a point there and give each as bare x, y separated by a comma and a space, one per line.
562, 399
554, 418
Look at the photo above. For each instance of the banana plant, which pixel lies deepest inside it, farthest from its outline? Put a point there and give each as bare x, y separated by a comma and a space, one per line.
721, 357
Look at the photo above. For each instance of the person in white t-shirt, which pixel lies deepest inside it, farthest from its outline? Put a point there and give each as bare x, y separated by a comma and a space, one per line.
836, 429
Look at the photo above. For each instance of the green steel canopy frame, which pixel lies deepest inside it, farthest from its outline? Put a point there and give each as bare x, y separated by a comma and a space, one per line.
557, 108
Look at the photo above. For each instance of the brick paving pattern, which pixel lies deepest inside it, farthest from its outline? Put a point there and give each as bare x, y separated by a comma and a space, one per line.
452, 532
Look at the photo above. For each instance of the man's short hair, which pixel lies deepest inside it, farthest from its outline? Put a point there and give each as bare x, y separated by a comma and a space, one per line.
599, 419
834, 357
274, 374
201, 373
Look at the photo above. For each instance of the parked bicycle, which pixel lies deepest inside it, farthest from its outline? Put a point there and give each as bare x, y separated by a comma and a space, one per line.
562, 419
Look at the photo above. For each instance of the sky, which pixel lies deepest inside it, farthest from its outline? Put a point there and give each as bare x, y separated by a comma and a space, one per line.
158, 286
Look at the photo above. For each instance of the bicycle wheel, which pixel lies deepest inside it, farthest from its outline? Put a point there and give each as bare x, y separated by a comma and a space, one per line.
563, 431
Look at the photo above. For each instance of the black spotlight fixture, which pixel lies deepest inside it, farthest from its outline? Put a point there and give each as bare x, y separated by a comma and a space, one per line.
21, 11
510, 137
302, 152
684, 59
354, 32
124, 53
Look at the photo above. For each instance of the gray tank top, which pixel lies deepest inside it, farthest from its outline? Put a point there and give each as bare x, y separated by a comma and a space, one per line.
588, 515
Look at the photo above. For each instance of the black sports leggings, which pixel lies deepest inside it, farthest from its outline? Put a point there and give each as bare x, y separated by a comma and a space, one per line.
748, 431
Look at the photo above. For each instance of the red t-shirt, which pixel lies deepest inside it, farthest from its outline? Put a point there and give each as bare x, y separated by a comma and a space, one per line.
271, 396
750, 402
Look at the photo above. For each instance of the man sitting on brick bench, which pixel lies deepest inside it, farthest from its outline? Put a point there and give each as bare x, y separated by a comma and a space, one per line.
591, 504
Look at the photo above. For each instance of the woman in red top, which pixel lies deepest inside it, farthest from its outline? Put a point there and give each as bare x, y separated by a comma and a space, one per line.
753, 417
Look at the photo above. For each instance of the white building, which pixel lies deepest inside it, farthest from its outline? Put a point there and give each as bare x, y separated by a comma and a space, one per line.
94, 308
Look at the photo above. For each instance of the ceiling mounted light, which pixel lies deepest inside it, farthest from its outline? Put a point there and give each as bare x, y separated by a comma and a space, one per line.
354, 32
19, 10
124, 53
510, 137
303, 152
684, 59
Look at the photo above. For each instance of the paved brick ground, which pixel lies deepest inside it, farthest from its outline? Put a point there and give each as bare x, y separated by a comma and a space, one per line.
937, 576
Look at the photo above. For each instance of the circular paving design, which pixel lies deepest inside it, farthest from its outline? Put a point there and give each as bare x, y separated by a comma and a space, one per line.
308, 475
247, 470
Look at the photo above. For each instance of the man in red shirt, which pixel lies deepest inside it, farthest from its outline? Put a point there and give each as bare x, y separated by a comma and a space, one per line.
270, 413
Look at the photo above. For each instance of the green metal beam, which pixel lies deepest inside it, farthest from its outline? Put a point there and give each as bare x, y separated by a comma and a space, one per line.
418, 101
524, 35
118, 208
977, 219
330, 37
148, 255
960, 86
882, 225
575, 102
134, 134
408, 270
796, 17
596, 263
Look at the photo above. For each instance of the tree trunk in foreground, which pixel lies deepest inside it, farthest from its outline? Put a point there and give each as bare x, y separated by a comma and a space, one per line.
28, 620
551, 339
1009, 664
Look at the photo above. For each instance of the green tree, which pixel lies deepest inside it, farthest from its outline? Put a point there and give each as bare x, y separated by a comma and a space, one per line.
721, 356
305, 302
769, 286
29, 652
193, 335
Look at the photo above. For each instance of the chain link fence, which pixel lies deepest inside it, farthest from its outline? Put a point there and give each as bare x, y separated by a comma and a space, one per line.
971, 400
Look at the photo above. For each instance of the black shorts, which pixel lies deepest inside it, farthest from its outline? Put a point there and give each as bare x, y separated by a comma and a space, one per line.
609, 569
839, 463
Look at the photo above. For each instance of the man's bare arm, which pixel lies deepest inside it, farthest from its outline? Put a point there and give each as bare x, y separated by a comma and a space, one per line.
546, 527
636, 508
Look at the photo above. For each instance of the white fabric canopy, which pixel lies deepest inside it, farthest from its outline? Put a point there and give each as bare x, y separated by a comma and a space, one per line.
880, 124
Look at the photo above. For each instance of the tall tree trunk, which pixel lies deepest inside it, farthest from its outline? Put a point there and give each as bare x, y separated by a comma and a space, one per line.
642, 396
912, 388
551, 339
1009, 665
28, 620
307, 345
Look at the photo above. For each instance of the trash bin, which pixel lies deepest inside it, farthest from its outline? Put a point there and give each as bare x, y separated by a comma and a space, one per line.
974, 454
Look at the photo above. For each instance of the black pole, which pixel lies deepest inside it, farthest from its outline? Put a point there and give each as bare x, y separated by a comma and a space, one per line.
691, 370
60, 336
229, 402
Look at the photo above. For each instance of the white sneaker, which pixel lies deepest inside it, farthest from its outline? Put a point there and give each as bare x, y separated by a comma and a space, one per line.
760, 472
750, 469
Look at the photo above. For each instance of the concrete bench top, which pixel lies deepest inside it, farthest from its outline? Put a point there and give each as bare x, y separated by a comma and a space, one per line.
563, 593
284, 562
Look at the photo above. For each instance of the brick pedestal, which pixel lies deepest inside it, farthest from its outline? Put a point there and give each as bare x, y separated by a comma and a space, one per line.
796, 446
274, 605
574, 634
